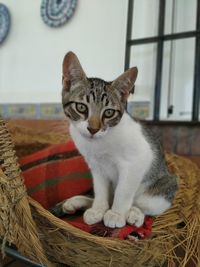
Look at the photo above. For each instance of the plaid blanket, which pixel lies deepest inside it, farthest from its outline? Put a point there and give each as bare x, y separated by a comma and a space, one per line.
60, 172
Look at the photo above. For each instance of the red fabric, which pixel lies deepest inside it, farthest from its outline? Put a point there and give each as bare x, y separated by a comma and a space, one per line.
51, 150
129, 232
59, 172
54, 174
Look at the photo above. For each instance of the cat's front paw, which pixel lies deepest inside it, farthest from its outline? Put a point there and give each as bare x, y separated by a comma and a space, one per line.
135, 216
114, 219
92, 216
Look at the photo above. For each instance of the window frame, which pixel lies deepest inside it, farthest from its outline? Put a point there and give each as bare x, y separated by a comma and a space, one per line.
160, 40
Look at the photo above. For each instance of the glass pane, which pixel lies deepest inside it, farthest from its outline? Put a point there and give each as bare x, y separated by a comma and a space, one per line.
141, 102
169, 10
145, 18
177, 79
180, 16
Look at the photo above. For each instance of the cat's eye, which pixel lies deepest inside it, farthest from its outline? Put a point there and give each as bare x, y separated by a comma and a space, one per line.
82, 108
108, 113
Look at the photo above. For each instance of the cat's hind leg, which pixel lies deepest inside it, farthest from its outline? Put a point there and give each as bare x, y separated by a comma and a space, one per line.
152, 200
75, 203
152, 205
146, 205
157, 197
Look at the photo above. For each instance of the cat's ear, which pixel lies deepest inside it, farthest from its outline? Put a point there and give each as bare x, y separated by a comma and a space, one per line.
125, 83
72, 71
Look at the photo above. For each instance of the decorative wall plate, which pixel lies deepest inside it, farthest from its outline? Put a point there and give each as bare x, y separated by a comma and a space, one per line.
4, 22
55, 13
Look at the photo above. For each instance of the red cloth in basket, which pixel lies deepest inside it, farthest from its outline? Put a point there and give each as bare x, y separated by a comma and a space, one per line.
60, 172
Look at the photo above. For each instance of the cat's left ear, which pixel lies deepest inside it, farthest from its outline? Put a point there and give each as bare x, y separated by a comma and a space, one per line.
124, 84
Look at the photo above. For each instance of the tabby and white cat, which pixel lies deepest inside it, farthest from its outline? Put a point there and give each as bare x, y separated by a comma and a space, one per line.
129, 172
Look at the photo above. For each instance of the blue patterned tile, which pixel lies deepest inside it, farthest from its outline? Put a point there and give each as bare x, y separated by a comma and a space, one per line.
51, 111
20, 111
32, 111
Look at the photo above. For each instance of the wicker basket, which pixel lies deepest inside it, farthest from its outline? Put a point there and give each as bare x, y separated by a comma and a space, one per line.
43, 238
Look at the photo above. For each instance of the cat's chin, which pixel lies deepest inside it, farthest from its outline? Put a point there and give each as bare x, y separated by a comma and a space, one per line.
81, 128
91, 137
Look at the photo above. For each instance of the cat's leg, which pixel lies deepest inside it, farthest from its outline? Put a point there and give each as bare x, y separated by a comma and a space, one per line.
123, 197
146, 205
156, 197
101, 201
135, 216
152, 205
75, 203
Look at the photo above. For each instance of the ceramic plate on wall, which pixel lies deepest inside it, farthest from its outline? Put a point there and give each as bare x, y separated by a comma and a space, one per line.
4, 22
55, 13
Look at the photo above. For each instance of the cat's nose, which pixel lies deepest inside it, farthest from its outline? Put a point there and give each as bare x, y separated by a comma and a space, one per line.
92, 131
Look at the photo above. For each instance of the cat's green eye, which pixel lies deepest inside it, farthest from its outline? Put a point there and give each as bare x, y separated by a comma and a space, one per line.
108, 113
82, 108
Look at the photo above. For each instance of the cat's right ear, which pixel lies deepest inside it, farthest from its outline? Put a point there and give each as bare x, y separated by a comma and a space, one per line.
72, 71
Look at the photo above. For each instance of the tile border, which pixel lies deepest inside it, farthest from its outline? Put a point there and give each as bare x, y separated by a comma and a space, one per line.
32, 111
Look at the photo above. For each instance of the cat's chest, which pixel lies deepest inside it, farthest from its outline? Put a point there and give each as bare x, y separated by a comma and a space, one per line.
103, 163
100, 156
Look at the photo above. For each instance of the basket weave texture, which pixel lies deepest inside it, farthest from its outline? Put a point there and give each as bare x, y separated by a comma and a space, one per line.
48, 240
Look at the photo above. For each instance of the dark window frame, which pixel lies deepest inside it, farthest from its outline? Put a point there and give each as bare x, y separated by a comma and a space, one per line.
160, 39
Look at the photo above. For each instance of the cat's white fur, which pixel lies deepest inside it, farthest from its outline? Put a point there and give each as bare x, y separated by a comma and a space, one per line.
118, 157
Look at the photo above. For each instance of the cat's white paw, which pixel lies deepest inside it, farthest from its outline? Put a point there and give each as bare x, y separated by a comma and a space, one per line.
135, 216
92, 216
75, 203
113, 219
69, 206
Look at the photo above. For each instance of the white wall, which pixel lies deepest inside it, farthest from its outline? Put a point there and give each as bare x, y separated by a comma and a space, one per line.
31, 57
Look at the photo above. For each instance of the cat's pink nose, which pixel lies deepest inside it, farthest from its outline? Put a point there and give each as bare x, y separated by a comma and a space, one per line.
92, 131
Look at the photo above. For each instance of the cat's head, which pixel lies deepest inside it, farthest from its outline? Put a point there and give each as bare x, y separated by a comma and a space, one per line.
91, 104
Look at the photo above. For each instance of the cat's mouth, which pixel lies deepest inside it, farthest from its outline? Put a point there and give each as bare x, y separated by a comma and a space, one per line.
95, 136
82, 128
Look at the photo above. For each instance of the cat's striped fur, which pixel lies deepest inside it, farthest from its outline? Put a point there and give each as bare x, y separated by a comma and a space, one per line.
94, 93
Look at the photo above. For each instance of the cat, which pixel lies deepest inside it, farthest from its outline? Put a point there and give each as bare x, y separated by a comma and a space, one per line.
130, 176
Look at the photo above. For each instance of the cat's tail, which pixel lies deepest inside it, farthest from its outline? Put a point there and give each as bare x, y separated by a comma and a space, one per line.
71, 205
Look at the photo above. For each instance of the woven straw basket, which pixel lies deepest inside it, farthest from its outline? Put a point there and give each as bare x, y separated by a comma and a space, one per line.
45, 239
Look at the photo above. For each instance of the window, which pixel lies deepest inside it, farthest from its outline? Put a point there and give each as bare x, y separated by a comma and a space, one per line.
163, 40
